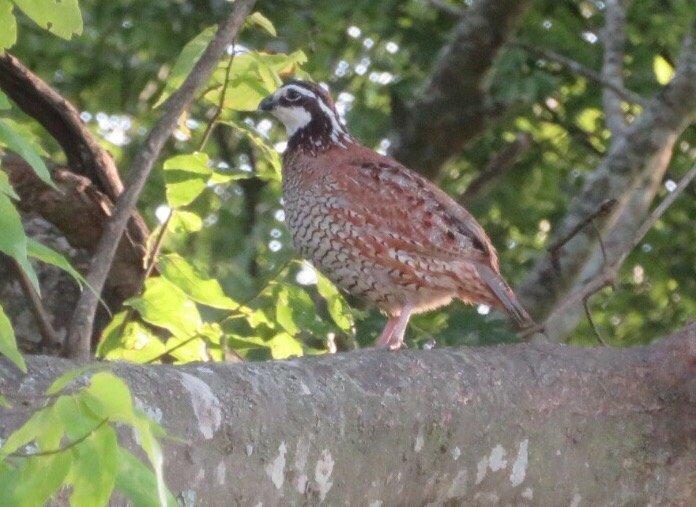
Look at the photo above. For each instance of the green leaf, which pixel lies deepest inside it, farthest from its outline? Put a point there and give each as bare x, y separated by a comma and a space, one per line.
164, 305
267, 151
93, 473
338, 307
60, 17
6, 186
66, 378
664, 72
284, 345
16, 142
187, 350
138, 483
28, 432
186, 176
4, 101
202, 290
45, 254
190, 54
8, 34
262, 21
128, 341
294, 309
4, 403
112, 397
13, 241
145, 430
35, 480
8, 343
185, 221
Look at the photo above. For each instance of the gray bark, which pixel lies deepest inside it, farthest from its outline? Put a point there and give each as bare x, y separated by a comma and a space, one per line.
640, 153
529, 424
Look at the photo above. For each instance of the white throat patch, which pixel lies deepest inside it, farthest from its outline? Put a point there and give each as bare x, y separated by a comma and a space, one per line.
294, 118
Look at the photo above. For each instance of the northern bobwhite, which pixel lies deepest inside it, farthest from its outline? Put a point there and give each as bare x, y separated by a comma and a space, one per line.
375, 228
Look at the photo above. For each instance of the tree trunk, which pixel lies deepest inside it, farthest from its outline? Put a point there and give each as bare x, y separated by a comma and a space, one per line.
541, 424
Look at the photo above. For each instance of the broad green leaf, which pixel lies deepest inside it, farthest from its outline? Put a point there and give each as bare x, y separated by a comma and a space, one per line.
206, 291
8, 343
8, 33
45, 254
28, 432
186, 177
93, 472
130, 341
336, 304
190, 54
294, 309
186, 350
146, 437
6, 186
60, 17
66, 378
185, 221
164, 305
268, 152
663, 70
284, 345
3, 402
138, 483
262, 21
4, 101
35, 480
77, 418
13, 240
113, 396
15, 141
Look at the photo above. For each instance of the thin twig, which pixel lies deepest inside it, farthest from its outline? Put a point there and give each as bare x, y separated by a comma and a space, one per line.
80, 332
555, 248
43, 318
582, 70
607, 276
588, 314
60, 449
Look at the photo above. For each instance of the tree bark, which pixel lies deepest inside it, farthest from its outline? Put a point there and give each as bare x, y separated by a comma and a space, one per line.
454, 105
541, 424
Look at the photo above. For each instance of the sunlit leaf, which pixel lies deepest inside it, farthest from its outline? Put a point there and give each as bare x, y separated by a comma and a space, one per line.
338, 307
60, 17
294, 309
45, 254
185, 221
190, 54
663, 70
15, 141
164, 305
262, 21
28, 432
13, 240
138, 482
8, 33
8, 343
34, 481
93, 474
6, 187
186, 176
69, 376
130, 341
203, 290
284, 345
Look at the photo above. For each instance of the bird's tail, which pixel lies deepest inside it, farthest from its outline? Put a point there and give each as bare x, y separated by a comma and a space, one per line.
506, 297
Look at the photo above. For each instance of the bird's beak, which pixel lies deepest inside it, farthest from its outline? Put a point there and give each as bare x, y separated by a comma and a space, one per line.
267, 104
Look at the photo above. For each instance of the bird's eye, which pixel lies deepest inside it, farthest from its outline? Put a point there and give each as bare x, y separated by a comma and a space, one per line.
292, 95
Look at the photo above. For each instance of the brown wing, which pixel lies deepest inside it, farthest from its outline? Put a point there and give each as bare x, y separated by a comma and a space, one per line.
410, 212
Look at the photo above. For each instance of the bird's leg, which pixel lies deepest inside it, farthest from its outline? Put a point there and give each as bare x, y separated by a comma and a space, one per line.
385, 337
397, 336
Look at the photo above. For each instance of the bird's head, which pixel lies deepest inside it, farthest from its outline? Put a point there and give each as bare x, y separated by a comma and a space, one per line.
308, 113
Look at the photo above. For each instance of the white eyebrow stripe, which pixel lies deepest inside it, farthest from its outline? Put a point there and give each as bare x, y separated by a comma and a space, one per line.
335, 122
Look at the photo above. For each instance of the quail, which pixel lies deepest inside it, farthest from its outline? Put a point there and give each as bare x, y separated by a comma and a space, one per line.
376, 229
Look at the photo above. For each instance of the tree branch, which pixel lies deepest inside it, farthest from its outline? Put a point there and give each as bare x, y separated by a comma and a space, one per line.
582, 70
540, 424
78, 341
614, 39
453, 107
641, 153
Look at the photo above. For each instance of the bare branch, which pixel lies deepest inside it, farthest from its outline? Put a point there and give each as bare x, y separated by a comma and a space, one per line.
614, 39
584, 71
78, 341
609, 273
498, 166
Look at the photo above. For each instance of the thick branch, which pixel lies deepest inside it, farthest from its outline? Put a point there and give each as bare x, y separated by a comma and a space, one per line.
641, 152
453, 106
614, 39
532, 424
78, 340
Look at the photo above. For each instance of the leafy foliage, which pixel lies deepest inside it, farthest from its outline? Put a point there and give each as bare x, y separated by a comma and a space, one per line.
72, 442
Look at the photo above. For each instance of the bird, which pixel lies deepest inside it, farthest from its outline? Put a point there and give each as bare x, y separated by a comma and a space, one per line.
378, 230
